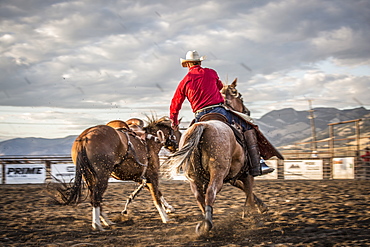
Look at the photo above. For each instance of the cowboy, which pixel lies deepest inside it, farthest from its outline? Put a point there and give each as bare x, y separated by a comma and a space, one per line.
201, 86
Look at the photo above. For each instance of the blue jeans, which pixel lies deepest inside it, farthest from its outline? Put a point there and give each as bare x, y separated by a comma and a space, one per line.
231, 118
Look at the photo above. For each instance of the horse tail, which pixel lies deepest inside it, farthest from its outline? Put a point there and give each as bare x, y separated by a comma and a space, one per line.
72, 194
182, 158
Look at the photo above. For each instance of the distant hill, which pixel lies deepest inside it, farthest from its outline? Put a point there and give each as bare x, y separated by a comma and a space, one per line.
37, 146
286, 126
281, 127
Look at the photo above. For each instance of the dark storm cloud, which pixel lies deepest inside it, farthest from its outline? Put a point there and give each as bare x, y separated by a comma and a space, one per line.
97, 53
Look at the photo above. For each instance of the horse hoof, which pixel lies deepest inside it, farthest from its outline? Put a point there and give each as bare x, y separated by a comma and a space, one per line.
124, 212
203, 228
97, 227
170, 210
263, 209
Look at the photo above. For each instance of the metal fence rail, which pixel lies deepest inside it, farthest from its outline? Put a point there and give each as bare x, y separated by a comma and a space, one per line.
361, 169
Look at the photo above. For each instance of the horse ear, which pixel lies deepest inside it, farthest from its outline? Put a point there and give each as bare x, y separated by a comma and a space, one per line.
180, 120
233, 84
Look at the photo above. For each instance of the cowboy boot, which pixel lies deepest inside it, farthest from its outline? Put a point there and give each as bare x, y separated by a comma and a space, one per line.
265, 169
258, 166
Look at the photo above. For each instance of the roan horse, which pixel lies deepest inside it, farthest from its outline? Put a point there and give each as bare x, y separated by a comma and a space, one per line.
115, 150
210, 156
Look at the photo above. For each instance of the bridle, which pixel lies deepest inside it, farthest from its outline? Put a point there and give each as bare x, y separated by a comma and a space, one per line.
168, 143
171, 141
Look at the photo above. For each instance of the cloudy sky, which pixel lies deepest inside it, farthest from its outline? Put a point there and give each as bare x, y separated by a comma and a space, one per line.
69, 65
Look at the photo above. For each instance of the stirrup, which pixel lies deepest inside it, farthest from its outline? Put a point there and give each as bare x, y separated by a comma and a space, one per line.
265, 168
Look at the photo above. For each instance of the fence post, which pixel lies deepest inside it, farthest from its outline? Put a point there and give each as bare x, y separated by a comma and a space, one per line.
48, 170
3, 173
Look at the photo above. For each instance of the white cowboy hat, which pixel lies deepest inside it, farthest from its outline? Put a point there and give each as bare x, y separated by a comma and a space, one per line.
191, 56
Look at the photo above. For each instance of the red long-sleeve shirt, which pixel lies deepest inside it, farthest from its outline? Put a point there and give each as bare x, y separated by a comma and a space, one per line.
201, 86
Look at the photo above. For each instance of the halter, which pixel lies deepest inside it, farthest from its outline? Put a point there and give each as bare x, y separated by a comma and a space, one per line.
160, 138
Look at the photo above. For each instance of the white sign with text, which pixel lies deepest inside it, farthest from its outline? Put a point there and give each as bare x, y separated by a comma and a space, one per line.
303, 169
63, 172
66, 172
25, 173
343, 168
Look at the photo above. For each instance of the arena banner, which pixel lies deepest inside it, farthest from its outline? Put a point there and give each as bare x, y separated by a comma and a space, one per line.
343, 168
63, 172
66, 172
272, 175
303, 169
1, 174
25, 173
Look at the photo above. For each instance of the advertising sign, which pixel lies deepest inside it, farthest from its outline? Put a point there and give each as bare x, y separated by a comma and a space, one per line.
25, 173
63, 172
343, 168
303, 169
66, 172
1, 174
272, 175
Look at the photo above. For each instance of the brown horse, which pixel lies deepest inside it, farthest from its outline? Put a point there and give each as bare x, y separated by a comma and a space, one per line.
103, 151
233, 99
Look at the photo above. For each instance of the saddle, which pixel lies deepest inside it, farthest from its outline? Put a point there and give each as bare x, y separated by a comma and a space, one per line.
218, 116
267, 150
136, 125
133, 125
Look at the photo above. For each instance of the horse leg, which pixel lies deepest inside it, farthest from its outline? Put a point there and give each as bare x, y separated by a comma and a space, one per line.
165, 204
248, 183
104, 218
213, 188
96, 225
97, 190
153, 188
261, 206
133, 195
197, 190
99, 216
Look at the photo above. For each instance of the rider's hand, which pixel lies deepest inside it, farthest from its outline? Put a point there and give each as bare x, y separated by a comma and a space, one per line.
174, 125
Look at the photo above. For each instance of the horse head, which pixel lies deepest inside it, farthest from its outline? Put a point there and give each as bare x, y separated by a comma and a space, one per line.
163, 125
233, 98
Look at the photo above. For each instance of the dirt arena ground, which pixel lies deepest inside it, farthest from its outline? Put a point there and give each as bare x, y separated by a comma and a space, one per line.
302, 213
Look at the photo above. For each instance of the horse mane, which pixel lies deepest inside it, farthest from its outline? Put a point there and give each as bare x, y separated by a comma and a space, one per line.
153, 121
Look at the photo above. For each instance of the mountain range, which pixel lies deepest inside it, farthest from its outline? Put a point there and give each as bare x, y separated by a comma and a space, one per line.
287, 126
282, 127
